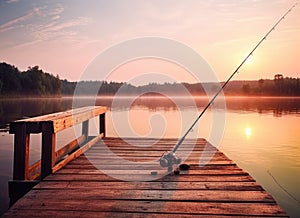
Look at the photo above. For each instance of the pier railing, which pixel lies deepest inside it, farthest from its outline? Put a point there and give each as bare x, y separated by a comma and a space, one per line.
49, 125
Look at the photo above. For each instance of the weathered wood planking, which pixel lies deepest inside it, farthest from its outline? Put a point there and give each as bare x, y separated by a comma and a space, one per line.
60, 120
217, 189
49, 125
25, 176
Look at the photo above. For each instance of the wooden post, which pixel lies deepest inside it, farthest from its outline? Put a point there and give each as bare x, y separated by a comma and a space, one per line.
102, 124
48, 149
85, 129
21, 153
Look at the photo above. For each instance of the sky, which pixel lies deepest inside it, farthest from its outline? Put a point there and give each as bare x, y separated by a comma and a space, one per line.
64, 37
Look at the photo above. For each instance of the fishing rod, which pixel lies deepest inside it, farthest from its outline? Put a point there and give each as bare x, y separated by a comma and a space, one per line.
169, 158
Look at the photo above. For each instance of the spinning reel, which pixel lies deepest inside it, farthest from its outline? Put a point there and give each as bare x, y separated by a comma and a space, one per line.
168, 159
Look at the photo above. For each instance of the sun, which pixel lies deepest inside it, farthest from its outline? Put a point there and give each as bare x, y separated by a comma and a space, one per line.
249, 59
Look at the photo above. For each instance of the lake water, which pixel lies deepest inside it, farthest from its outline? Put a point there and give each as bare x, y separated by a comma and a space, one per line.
262, 135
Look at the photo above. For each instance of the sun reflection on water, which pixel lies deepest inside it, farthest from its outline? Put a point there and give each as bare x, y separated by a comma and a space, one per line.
248, 132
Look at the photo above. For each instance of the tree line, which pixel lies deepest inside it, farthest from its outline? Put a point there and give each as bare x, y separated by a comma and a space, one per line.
279, 86
35, 82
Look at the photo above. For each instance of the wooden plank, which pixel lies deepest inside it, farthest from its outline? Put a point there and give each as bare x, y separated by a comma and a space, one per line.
145, 166
212, 208
159, 170
156, 147
69, 148
154, 195
143, 143
73, 119
120, 185
61, 120
194, 159
183, 178
77, 153
153, 154
60, 115
146, 143
148, 140
34, 127
34, 171
100, 155
21, 153
48, 149
96, 214
125, 167
111, 161
161, 149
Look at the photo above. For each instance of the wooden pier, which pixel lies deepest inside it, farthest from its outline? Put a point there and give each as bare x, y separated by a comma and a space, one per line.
97, 184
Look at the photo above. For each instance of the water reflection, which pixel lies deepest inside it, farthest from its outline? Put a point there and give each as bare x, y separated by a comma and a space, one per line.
248, 132
13, 109
278, 106
268, 147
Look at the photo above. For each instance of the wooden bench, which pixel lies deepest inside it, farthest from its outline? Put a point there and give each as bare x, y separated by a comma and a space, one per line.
25, 176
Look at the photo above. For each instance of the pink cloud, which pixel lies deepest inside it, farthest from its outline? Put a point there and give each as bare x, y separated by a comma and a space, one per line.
17, 22
11, 1
56, 29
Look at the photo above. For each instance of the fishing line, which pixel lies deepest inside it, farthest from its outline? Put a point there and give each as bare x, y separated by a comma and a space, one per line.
280, 186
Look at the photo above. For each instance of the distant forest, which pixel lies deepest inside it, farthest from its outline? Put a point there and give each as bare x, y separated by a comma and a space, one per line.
35, 82
31, 82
